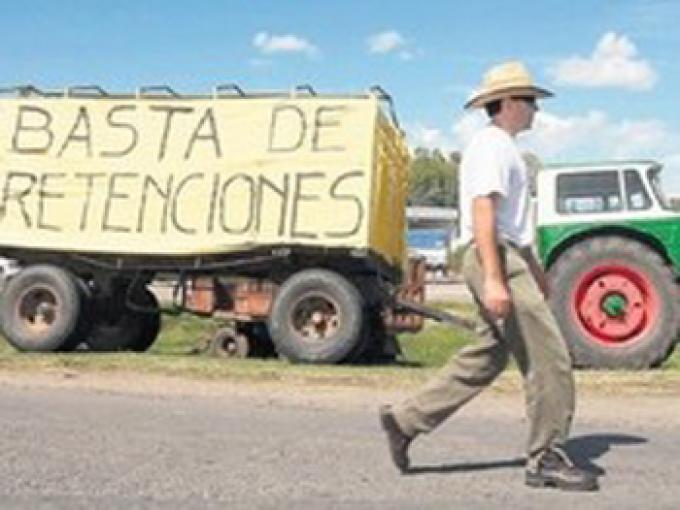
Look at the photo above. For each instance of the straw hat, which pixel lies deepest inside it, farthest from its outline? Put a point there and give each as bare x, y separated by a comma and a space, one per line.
507, 79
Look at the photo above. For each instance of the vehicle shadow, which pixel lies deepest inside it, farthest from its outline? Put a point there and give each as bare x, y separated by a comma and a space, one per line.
583, 450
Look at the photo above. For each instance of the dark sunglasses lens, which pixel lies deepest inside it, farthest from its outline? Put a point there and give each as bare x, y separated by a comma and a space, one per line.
530, 100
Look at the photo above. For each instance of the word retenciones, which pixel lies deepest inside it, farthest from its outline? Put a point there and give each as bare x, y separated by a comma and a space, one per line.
196, 203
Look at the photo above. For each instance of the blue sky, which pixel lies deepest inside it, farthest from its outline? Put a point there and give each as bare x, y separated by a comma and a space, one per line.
614, 66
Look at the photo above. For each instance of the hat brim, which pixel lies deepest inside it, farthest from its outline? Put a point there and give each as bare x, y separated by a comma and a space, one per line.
486, 97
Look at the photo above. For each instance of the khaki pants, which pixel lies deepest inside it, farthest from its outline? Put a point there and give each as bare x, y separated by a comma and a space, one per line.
530, 334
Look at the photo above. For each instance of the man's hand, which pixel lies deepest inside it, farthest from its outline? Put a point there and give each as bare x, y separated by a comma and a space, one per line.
496, 298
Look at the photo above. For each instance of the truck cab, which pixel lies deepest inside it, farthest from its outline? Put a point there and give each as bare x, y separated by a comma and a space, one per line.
610, 244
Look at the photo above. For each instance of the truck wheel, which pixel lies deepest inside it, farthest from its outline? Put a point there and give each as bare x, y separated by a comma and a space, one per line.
82, 330
150, 322
40, 308
377, 346
117, 327
616, 302
227, 343
259, 342
316, 317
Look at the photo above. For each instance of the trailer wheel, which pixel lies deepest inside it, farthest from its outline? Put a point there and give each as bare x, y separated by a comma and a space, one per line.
259, 341
40, 308
316, 317
616, 302
150, 322
117, 327
378, 347
80, 334
227, 343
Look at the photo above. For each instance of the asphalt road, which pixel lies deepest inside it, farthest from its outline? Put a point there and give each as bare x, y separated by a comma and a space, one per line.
161, 443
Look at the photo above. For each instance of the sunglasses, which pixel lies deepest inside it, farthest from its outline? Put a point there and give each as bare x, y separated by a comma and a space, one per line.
530, 100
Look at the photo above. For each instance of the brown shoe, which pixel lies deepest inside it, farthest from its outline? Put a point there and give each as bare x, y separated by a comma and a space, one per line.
396, 439
553, 468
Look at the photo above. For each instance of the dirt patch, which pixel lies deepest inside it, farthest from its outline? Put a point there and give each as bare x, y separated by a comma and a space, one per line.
600, 395
131, 383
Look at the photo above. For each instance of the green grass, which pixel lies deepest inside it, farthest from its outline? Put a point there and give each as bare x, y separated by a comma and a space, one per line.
178, 352
432, 346
436, 343
184, 334
673, 363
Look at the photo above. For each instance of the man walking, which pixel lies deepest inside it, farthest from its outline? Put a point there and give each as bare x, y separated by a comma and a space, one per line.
509, 289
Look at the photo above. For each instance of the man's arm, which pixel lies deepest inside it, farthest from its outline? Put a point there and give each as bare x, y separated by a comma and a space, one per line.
496, 297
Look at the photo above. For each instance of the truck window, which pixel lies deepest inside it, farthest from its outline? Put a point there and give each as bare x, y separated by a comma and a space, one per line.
589, 192
636, 194
654, 177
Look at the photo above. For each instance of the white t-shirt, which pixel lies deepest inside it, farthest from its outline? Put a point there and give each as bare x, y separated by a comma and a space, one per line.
492, 163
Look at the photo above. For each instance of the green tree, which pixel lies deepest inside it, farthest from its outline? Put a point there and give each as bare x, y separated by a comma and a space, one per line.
433, 178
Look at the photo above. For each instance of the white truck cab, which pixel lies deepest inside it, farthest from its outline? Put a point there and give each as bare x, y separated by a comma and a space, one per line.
611, 247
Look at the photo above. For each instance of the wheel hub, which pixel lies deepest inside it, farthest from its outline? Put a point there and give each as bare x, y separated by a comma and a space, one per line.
613, 305
315, 318
38, 309
227, 343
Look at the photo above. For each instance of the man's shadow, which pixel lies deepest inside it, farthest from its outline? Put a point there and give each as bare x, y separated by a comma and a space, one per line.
583, 450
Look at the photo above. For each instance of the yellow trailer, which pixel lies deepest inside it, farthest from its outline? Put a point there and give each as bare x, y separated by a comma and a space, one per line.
101, 192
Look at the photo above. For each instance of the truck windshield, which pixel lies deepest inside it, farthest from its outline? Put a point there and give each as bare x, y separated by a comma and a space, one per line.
654, 177
427, 239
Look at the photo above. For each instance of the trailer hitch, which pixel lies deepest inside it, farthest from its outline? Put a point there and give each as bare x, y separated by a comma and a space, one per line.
402, 305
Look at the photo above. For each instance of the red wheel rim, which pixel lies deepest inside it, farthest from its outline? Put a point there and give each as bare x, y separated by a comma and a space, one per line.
614, 303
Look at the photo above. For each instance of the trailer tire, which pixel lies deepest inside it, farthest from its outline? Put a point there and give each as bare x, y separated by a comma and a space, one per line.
616, 302
151, 323
376, 345
227, 343
259, 341
317, 317
40, 309
79, 336
127, 329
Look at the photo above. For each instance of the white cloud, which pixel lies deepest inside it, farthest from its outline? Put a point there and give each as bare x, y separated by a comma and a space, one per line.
590, 136
553, 136
593, 136
613, 63
268, 44
670, 177
393, 43
466, 126
597, 135
420, 135
386, 42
